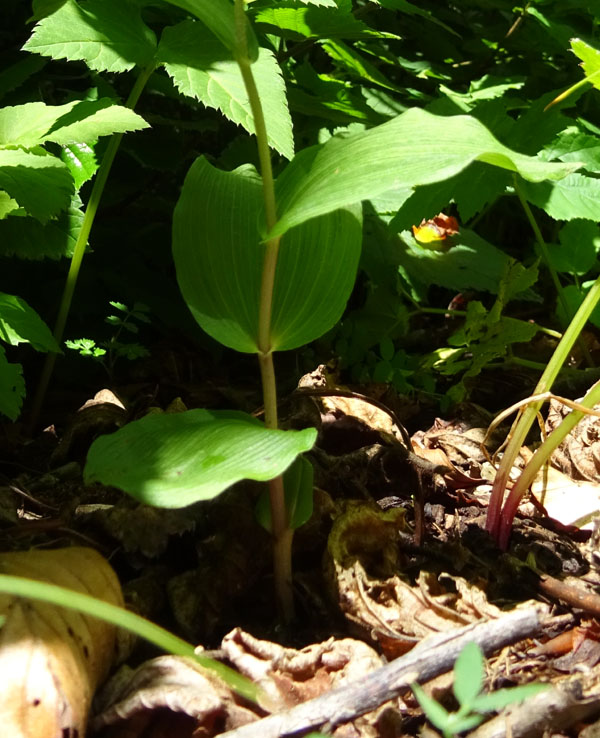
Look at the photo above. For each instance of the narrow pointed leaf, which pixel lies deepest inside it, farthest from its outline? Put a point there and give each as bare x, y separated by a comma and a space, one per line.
108, 35
468, 674
502, 697
415, 148
174, 460
218, 255
202, 67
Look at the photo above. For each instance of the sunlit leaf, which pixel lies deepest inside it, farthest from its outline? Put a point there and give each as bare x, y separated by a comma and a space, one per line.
202, 67
108, 35
219, 253
173, 460
415, 148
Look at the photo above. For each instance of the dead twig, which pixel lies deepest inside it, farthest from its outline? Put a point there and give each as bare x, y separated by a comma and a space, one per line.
430, 658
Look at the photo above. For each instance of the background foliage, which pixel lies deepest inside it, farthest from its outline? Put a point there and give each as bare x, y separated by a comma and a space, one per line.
328, 71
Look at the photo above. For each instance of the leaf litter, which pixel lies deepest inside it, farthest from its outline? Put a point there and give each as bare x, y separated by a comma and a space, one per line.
368, 591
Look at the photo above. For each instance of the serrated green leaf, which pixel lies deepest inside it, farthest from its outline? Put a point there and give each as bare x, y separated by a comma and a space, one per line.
7, 205
575, 196
12, 387
415, 148
19, 323
468, 674
574, 145
119, 306
174, 460
203, 68
27, 238
218, 255
578, 249
36, 123
590, 60
81, 160
218, 16
108, 35
42, 185
298, 21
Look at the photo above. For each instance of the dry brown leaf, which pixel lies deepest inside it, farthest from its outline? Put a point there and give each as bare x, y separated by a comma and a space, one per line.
364, 567
579, 454
288, 676
173, 694
52, 659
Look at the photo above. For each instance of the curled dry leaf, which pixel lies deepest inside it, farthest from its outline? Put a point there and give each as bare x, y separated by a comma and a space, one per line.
175, 695
364, 568
289, 676
52, 659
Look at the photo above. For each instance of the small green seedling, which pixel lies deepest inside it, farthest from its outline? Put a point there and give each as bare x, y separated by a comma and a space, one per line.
107, 352
473, 703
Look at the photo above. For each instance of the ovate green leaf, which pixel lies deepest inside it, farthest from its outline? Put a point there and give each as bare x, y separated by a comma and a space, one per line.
202, 67
174, 460
108, 35
415, 148
219, 253
19, 323
12, 387
40, 184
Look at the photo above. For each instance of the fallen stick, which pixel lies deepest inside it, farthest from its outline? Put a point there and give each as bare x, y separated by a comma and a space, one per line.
433, 656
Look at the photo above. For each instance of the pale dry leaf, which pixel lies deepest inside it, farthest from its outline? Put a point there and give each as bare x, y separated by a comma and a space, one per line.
288, 676
51, 658
175, 684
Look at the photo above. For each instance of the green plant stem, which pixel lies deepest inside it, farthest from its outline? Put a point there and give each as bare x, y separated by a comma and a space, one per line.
539, 458
523, 424
121, 618
551, 270
282, 534
80, 244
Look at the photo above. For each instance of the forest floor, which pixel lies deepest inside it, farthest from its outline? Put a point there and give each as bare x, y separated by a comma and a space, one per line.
395, 554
